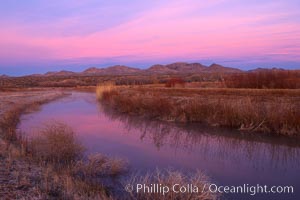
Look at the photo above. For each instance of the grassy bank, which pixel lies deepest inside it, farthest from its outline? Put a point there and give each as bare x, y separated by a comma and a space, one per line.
275, 111
49, 165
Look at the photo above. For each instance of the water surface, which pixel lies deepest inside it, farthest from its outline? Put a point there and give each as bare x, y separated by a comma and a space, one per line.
228, 157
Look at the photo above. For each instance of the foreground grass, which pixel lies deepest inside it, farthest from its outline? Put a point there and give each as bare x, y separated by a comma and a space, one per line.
268, 110
55, 143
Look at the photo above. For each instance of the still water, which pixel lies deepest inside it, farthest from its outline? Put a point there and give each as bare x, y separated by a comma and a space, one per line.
227, 157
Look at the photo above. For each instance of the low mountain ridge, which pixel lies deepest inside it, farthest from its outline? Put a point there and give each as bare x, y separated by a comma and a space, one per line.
3, 76
60, 73
221, 69
113, 70
173, 68
182, 67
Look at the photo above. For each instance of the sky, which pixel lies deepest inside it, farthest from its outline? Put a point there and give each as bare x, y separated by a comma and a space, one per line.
39, 36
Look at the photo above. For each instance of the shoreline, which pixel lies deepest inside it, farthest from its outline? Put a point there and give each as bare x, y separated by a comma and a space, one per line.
18, 174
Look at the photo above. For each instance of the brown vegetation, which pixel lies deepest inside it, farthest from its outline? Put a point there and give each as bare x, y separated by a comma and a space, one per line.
93, 80
104, 88
99, 165
265, 79
175, 82
271, 111
55, 144
10, 119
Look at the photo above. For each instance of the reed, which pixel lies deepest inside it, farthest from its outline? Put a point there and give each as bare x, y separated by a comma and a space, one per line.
264, 79
10, 118
99, 165
104, 88
276, 112
56, 144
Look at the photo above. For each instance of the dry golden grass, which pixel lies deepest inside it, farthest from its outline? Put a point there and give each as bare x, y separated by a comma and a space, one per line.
63, 185
98, 166
102, 88
11, 117
56, 144
271, 111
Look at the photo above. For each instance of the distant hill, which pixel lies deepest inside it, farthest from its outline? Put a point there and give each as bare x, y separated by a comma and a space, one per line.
266, 69
3, 76
221, 69
178, 67
113, 70
173, 68
182, 67
160, 69
60, 73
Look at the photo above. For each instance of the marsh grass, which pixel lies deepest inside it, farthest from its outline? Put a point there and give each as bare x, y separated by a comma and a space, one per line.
10, 119
98, 167
269, 111
264, 79
103, 88
63, 185
56, 144
8, 123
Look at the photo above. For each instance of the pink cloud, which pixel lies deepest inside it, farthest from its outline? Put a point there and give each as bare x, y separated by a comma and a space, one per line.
167, 31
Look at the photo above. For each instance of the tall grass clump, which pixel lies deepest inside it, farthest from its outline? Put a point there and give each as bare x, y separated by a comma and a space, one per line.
8, 123
169, 178
56, 144
99, 165
136, 104
103, 89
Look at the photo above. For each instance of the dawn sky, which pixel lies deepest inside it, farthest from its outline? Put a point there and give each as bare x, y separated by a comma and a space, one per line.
39, 36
